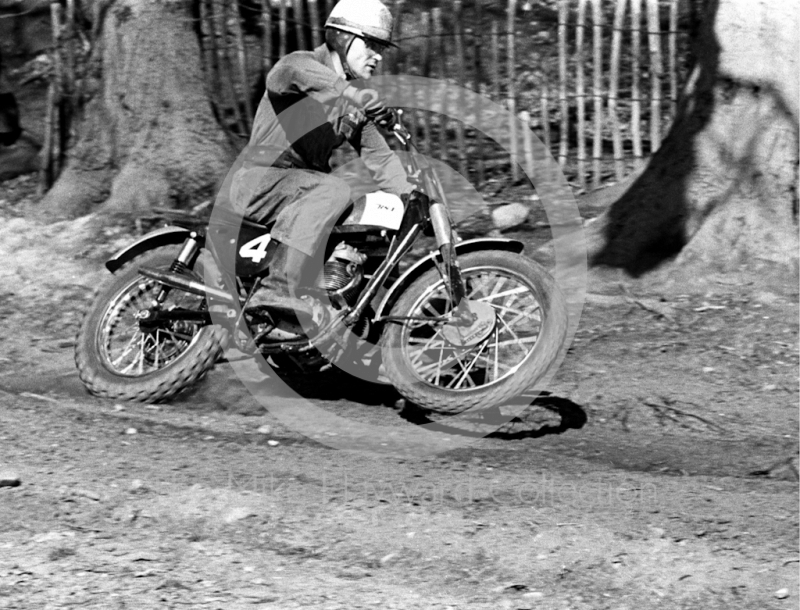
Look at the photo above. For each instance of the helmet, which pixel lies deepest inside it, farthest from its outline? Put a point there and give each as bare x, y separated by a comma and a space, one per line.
363, 18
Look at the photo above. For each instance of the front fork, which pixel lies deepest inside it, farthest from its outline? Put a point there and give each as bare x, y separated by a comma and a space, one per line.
450, 270
442, 225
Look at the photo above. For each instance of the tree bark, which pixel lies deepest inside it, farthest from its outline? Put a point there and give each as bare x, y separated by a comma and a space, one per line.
148, 136
720, 195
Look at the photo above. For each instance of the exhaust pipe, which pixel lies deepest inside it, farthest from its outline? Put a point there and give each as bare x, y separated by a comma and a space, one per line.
181, 282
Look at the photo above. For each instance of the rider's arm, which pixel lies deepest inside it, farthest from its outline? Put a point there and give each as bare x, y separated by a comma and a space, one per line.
301, 73
381, 161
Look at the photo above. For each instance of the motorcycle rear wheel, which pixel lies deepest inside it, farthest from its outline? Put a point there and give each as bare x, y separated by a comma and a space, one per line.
530, 328
117, 359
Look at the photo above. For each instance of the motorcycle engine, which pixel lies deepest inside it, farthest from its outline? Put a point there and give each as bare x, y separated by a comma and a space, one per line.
343, 274
342, 277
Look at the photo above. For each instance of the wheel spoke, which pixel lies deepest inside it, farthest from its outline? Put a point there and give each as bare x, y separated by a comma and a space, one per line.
516, 339
503, 309
175, 335
141, 354
418, 354
128, 350
467, 369
444, 365
439, 367
514, 292
511, 323
134, 362
476, 286
158, 348
496, 352
518, 319
430, 309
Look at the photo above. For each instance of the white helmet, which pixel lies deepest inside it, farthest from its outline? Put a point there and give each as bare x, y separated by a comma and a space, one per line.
363, 18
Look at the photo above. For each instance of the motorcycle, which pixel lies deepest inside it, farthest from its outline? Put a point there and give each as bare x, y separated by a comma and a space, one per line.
470, 325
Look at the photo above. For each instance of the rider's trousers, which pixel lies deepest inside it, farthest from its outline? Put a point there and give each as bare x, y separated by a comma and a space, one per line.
303, 203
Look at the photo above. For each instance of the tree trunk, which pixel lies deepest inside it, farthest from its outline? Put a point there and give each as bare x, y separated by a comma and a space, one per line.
148, 135
720, 195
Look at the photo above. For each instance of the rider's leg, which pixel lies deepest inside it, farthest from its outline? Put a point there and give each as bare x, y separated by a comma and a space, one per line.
301, 226
305, 222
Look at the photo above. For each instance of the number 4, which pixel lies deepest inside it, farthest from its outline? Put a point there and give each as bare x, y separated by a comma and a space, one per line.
256, 249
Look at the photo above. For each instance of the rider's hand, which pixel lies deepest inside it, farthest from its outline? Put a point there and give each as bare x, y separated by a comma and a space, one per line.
373, 106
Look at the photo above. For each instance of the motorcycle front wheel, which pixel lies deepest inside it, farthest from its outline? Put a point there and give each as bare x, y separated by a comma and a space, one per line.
525, 326
119, 358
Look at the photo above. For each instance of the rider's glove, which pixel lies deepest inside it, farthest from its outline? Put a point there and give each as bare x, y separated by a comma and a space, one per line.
373, 106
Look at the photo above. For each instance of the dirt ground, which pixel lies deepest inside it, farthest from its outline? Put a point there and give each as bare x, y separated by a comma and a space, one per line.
659, 472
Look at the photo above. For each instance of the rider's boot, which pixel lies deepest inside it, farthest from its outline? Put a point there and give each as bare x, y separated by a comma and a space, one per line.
279, 289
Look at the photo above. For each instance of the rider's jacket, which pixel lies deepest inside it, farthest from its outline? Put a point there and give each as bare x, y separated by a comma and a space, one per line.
303, 117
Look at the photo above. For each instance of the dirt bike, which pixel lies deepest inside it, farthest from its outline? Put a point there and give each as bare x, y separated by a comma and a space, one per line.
470, 325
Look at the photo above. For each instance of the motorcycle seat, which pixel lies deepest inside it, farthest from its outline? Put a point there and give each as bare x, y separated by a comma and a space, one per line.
229, 218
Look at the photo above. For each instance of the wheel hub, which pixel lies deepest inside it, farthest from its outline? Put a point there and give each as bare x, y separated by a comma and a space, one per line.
479, 324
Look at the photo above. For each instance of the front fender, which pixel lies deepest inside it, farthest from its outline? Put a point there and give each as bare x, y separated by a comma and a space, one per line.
155, 239
422, 265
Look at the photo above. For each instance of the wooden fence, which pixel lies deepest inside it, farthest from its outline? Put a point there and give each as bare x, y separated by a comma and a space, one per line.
582, 72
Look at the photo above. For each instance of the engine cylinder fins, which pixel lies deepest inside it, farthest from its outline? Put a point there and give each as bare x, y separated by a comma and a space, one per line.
342, 280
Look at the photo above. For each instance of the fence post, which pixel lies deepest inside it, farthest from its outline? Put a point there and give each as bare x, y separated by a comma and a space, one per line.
298, 25
462, 82
527, 142
613, 89
266, 40
477, 46
220, 21
394, 65
68, 103
580, 58
654, 38
673, 56
495, 60
545, 107
413, 112
220, 91
563, 132
229, 43
57, 18
636, 92
511, 92
282, 27
439, 35
242, 57
50, 149
597, 91
425, 25
46, 168
209, 46
316, 33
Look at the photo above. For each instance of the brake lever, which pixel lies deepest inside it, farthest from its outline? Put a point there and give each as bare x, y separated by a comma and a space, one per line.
400, 132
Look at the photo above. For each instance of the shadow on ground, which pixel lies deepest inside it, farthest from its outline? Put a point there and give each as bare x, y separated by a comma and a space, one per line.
545, 415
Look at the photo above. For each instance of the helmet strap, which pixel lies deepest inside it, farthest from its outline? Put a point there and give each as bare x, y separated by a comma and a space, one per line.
337, 42
345, 65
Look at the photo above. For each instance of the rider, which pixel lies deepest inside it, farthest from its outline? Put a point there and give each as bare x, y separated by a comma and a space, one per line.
314, 102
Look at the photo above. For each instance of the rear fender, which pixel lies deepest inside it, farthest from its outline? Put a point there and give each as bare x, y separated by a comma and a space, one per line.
421, 266
165, 236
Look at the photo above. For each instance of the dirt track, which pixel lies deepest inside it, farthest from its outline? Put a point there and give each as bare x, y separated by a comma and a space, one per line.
661, 471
